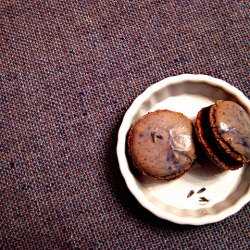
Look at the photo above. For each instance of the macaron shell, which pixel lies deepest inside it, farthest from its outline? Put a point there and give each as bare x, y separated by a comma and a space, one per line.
161, 144
233, 126
222, 143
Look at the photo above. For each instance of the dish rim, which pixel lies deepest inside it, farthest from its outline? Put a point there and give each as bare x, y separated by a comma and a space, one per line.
123, 161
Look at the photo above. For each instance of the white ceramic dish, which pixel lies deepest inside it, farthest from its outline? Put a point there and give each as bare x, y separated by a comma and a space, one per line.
227, 191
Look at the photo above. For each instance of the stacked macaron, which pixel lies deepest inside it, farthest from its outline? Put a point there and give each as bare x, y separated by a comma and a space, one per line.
223, 130
161, 143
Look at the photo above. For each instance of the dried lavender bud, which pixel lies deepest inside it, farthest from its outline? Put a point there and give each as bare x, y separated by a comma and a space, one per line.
159, 137
203, 199
201, 190
190, 193
153, 136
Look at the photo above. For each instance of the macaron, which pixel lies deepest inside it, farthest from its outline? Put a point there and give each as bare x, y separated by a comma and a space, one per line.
161, 144
223, 130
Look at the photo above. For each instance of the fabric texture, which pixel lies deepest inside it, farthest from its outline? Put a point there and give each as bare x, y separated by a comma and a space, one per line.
69, 71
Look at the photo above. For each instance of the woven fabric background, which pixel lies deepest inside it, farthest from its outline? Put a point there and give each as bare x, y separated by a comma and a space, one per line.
69, 71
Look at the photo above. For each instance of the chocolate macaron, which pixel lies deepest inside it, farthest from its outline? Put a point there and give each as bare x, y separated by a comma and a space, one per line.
223, 130
161, 144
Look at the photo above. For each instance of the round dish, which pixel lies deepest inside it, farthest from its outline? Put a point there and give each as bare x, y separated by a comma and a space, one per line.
223, 192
